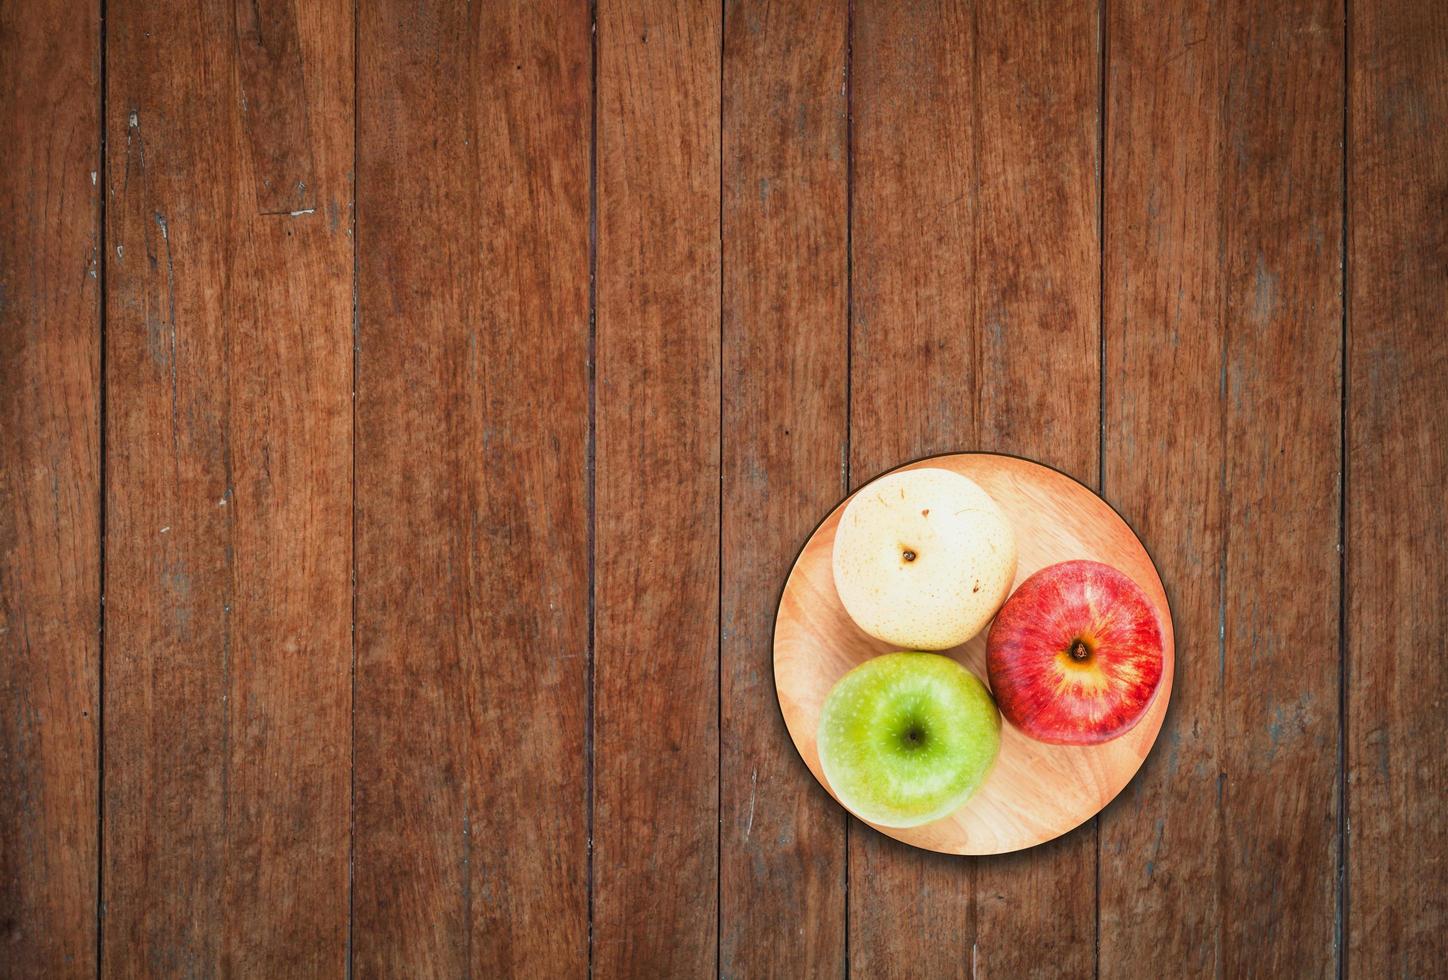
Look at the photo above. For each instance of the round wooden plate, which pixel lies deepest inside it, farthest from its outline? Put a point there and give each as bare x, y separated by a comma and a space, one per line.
1036, 791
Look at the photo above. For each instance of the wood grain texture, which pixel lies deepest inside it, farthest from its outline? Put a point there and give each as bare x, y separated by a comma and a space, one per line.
417, 412
1223, 352
228, 514
1281, 281
1037, 285
782, 881
49, 488
976, 292
1397, 543
1034, 792
1164, 373
269, 61
472, 428
829, 239
655, 870
912, 383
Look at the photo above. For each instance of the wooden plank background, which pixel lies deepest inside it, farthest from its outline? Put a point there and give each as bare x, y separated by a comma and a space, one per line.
408, 416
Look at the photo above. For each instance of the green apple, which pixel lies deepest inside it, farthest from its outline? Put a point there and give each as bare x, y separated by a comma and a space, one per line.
923, 558
906, 738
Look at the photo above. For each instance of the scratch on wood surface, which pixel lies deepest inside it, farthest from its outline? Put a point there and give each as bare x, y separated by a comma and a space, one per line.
133, 140
1264, 300
753, 785
1155, 848
171, 324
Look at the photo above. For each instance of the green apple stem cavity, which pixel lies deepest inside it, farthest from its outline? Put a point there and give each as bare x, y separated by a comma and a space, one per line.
906, 738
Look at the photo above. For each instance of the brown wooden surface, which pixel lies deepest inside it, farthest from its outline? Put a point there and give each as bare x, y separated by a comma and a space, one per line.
656, 641
1397, 464
976, 282
228, 510
49, 488
633, 292
1282, 301
785, 166
472, 475
1231, 239
913, 384
1164, 325
1037, 335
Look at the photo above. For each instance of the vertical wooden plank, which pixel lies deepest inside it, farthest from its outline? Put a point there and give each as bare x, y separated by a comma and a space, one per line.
657, 513
784, 320
1037, 278
1038, 378
472, 428
1164, 383
228, 520
1281, 281
1397, 548
49, 487
913, 344
270, 68
912, 384
975, 326
530, 522
417, 478
1233, 113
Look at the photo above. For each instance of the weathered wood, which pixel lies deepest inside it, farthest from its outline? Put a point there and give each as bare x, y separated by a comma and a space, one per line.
1038, 381
1397, 544
655, 869
724, 403
912, 383
1165, 333
1223, 354
782, 873
228, 514
472, 521
975, 326
49, 487
275, 121
417, 479
1281, 282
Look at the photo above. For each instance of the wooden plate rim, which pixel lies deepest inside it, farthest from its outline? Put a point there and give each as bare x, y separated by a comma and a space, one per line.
929, 457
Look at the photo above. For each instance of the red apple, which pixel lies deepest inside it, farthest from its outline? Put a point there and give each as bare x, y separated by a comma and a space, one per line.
1075, 654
